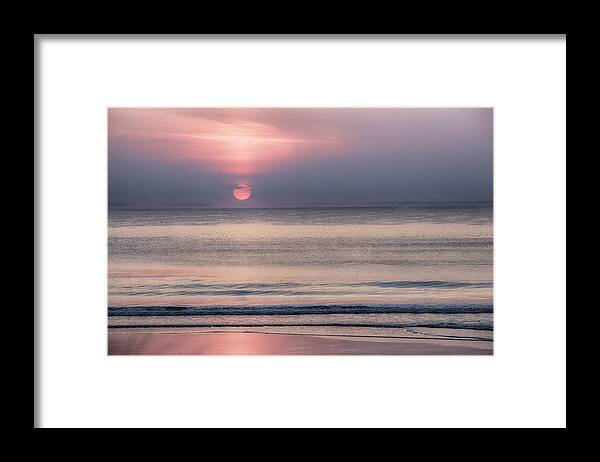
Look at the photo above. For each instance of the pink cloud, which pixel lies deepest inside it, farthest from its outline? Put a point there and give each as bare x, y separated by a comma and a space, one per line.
225, 143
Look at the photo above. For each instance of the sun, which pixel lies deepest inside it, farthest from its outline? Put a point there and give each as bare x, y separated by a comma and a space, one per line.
242, 192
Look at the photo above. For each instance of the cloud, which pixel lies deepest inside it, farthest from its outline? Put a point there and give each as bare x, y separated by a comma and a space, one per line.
229, 144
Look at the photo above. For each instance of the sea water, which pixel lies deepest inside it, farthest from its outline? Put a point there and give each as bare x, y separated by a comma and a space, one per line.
402, 270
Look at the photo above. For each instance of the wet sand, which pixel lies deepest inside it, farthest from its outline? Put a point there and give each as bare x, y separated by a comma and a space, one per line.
161, 343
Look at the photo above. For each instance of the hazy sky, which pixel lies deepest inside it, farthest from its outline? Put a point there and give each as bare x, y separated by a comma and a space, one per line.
298, 157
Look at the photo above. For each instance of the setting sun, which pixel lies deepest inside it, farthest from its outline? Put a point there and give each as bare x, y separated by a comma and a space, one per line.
242, 192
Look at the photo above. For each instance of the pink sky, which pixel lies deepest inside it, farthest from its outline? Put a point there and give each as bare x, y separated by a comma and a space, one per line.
228, 142
299, 155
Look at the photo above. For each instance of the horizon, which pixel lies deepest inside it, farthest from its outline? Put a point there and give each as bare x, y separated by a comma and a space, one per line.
192, 205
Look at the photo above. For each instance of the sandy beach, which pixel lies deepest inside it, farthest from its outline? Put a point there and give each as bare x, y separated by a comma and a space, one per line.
161, 343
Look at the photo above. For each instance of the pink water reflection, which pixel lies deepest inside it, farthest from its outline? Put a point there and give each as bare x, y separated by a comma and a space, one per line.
275, 344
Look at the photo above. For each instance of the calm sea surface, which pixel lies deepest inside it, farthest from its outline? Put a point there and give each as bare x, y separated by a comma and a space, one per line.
408, 270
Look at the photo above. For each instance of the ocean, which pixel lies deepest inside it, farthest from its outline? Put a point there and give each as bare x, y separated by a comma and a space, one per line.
404, 270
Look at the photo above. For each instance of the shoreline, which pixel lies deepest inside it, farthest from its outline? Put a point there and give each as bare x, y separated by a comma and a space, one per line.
253, 343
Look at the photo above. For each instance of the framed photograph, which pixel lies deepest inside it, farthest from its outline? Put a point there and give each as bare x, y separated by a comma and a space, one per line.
300, 231
341, 231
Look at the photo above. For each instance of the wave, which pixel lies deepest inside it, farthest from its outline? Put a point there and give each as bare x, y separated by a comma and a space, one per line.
298, 310
286, 288
482, 325
426, 284
280, 285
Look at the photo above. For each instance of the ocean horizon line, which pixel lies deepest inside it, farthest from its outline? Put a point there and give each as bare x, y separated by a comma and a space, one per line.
199, 205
